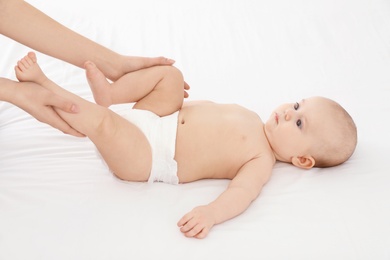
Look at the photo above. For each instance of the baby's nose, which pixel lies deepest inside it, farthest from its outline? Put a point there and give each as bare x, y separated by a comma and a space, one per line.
289, 114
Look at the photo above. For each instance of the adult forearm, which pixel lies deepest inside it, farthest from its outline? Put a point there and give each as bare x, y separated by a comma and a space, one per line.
38, 102
29, 26
7, 90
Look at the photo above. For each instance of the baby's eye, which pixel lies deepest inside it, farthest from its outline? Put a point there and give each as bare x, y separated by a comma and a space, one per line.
299, 123
296, 106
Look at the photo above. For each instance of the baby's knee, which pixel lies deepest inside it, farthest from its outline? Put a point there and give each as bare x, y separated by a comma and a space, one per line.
177, 77
176, 74
174, 85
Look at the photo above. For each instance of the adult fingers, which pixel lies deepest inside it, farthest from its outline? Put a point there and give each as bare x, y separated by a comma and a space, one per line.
53, 119
146, 62
161, 61
186, 87
63, 104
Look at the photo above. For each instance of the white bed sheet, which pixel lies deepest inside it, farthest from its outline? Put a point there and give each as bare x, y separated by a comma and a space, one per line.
58, 200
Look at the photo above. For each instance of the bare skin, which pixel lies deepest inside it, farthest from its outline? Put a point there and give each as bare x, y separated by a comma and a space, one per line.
42, 107
213, 141
27, 25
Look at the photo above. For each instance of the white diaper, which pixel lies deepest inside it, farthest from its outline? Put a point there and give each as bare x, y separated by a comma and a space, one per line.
161, 134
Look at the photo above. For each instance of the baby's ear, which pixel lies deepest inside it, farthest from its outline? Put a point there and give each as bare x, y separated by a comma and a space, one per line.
304, 162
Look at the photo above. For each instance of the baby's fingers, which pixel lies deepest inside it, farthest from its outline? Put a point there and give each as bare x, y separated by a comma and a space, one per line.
188, 226
187, 217
192, 228
203, 233
193, 232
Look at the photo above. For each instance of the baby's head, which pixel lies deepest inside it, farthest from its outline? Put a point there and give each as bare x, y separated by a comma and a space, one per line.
313, 132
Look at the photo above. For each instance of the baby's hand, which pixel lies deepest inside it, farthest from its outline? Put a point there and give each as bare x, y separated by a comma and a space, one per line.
197, 223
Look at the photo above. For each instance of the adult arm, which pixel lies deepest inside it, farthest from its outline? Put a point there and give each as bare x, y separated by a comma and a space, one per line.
27, 25
39, 102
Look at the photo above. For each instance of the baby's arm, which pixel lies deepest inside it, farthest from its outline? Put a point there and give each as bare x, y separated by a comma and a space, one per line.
243, 189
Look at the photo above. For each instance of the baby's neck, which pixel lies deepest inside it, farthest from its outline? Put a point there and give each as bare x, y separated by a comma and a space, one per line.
276, 155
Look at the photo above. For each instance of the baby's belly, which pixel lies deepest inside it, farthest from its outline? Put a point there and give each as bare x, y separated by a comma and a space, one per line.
202, 152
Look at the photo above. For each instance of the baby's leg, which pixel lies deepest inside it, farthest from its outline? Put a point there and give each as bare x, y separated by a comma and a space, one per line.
122, 145
159, 89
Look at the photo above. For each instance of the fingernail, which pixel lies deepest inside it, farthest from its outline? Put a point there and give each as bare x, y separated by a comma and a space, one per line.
88, 64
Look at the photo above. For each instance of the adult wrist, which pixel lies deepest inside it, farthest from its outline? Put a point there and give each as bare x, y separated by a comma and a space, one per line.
7, 90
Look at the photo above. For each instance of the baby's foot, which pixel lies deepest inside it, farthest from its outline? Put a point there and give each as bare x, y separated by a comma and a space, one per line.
27, 69
99, 85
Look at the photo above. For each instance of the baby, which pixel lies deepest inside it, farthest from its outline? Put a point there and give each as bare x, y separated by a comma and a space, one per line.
164, 139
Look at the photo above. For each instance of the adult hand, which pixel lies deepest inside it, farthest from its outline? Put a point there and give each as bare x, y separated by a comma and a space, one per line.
186, 87
134, 63
41, 104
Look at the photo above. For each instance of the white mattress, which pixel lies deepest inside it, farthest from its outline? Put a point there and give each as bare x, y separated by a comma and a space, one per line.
58, 200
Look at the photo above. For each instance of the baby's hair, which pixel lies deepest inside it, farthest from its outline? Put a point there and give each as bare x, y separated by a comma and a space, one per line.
340, 147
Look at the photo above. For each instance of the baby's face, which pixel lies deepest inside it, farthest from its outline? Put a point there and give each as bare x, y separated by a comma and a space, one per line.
294, 128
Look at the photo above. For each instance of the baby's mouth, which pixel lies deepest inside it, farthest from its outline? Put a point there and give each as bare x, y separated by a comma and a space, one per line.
277, 118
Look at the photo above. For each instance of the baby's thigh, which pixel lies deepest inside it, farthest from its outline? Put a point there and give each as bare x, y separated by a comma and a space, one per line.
124, 148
